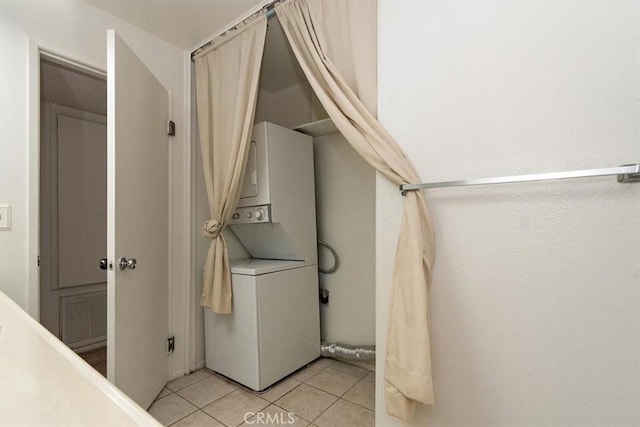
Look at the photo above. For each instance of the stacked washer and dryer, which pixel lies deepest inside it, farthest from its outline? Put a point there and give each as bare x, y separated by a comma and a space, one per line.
274, 328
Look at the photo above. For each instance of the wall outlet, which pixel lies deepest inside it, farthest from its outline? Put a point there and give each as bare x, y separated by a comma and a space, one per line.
5, 217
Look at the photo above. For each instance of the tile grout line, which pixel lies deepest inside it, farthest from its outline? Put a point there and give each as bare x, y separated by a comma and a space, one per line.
309, 385
320, 414
337, 400
341, 397
199, 410
176, 391
160, 398
215, 418
332, 403
213, 401
237, 389
188, 415
355, 385
281, 397
325, 391
357, 404
297, 385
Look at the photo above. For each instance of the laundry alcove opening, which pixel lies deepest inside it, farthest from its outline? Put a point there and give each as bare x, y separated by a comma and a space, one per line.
345, 200
73, 208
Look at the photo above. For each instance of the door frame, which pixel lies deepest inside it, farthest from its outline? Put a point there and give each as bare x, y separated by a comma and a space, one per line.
36, 53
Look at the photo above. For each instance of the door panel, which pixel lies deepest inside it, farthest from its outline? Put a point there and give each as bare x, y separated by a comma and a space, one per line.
82, 201
137, 224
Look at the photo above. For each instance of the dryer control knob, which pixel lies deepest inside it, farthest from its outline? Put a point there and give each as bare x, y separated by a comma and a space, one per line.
249, 215
259, 214
236, 215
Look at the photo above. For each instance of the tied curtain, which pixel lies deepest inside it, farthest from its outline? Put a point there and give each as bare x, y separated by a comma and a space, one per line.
227, 75
334, 42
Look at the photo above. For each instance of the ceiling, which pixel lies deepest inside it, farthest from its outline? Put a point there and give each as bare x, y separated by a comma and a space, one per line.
65, 86
184, 23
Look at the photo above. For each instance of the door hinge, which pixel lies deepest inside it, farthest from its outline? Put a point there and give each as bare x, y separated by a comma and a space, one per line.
38, 260
171, 128
171, 344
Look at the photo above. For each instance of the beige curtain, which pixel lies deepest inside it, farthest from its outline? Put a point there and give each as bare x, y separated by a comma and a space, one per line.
226, 90
335, 44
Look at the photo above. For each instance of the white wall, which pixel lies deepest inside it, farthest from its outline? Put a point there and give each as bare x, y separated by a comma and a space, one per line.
78, 30
263, 106
345, 213
535, 298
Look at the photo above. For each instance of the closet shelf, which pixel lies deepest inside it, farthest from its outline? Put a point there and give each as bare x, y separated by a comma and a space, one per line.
318, 128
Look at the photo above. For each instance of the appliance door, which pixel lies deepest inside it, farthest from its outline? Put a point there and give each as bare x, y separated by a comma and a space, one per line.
250, 182
255, 184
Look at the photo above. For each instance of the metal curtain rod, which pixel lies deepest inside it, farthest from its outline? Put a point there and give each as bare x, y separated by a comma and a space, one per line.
625, 173
268, 10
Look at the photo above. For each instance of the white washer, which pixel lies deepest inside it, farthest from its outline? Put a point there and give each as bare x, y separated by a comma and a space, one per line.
274, 328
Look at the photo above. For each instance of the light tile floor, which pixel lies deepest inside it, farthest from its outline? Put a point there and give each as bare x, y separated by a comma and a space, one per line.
325, 393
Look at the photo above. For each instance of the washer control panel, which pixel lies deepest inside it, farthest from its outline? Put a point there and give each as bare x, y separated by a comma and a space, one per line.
251, 215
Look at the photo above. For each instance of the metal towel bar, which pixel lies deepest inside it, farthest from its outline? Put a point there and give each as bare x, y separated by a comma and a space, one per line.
625, 173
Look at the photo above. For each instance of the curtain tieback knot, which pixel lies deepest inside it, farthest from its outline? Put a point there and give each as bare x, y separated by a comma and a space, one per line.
212, 228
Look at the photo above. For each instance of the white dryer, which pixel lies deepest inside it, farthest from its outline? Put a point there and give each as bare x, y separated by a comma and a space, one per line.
274, 328
276, 214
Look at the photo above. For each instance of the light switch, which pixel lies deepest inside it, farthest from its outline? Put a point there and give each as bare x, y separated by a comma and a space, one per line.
5, 217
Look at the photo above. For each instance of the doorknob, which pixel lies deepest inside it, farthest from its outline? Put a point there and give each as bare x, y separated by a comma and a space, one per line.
103, 264
127, 263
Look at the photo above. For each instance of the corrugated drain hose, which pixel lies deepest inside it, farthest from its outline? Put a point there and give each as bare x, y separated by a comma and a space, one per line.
338, 350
